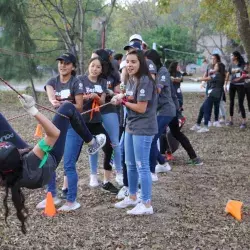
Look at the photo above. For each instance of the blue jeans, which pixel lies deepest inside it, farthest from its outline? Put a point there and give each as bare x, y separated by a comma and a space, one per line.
111, 124
137, 149
77, 122
72, 150
155, 154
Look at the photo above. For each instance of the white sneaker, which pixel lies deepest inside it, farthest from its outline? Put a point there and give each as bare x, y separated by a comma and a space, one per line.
93, 181
99, 142
210, 124
222, 121
154, 177
140, 208
127, 202
203, 130
162, 168
195, 127
122, 193
42, 204
119, 179
217, 124
66, 207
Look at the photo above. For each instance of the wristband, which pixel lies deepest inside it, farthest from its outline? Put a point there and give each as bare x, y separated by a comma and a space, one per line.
124, 102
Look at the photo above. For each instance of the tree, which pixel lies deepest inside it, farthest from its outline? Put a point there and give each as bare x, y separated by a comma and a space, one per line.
16, 37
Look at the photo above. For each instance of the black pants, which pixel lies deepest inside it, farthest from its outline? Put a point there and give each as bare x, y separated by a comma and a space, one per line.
179, 136
247, 91
95, 129
240, 89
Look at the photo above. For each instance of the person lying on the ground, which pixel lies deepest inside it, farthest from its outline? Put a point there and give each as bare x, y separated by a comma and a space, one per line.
34, 169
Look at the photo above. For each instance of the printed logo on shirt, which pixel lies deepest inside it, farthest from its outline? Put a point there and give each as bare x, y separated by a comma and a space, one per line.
151, 66
80, 85
129, 93
98, 89
163, 78
142, 92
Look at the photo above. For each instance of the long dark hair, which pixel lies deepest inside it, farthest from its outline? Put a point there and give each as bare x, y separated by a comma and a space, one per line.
154, 57
143, 69
107, 67
240, 59
9, 181
173, 68
221, 70
101, 62
10, 172
217, 57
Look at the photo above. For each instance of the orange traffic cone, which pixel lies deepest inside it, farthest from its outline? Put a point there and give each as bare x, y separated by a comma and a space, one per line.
39, 131
50, 209
234, 208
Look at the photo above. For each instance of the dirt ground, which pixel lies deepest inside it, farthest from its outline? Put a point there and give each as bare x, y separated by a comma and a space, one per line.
189, 202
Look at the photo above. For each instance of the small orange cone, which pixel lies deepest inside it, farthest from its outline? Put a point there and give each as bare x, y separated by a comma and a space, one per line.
39, 131
234, 208
50, 209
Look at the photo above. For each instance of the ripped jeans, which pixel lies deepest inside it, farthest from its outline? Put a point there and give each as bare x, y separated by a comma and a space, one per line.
137, 150
111, 124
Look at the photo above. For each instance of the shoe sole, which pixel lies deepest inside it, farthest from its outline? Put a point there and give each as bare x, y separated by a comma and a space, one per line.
101, 146
126, 206
146, 213
70, 209
107, 191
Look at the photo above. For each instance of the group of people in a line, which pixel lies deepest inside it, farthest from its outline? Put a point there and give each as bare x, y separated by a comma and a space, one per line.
218, 81
121, 107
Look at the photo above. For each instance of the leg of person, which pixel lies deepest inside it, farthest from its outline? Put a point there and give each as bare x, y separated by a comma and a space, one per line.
7, 133
72, 151
208, 105
123, 192
232, 91
111, 125
142, 146
247, 89
197, 126
132, 199
241, 97
163, 122
216, 102
184, 141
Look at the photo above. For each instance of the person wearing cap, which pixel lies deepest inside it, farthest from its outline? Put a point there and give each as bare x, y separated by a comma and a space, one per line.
66, 88
36, 168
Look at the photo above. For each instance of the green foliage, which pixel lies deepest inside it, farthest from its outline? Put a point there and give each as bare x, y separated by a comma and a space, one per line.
172, 37
15, 38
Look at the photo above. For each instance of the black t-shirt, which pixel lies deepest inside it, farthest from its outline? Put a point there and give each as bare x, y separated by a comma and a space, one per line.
113, 80
216, 85
34, 177
66, 91
235, 71
89, 87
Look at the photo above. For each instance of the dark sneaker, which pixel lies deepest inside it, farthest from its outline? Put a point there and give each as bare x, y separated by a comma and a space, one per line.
109, 187
100, 141
243, 126
63, 194
229, 123
195, 162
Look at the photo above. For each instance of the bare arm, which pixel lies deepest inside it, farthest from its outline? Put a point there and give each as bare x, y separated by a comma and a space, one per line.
51, 95
79, 102
139, 107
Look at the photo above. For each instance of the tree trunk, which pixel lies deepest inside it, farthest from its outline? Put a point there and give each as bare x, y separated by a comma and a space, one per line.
243, 24
81, 37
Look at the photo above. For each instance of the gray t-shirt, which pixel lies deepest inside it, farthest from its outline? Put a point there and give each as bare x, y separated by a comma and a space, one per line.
137, 123
66, 91
113, 80
166, 106
216, 85
151, 67
34, 177
235, 71
89, 87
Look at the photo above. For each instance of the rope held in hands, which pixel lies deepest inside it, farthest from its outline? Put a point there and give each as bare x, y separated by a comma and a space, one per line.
46, 108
